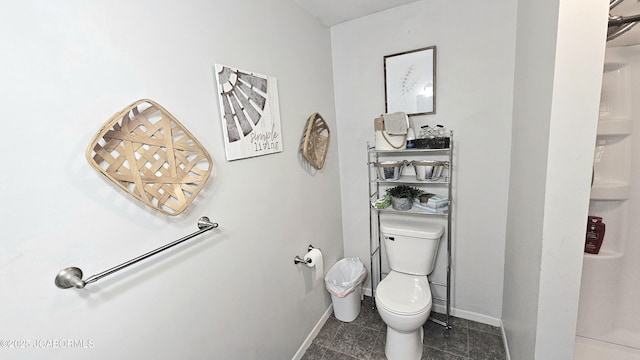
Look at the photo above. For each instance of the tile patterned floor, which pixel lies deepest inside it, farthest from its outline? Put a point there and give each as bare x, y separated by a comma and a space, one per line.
363, 339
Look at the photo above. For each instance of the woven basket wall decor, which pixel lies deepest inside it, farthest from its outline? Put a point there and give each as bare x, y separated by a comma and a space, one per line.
315, 141
150, 155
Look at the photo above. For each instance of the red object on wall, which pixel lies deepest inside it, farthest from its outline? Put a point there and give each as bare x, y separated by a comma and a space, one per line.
595, 235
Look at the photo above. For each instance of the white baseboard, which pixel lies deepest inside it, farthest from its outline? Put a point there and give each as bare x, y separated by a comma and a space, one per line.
468, 315
504, 341
314, 332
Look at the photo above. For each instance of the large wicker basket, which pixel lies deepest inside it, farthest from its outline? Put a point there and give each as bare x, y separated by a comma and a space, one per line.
146, 152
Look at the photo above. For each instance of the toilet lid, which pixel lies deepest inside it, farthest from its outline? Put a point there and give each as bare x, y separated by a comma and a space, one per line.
404, 294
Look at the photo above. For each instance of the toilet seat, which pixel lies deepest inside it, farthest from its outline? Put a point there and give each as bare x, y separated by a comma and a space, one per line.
404, 294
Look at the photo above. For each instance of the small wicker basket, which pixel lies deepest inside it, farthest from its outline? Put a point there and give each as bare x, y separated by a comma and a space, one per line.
146, 152
315, 141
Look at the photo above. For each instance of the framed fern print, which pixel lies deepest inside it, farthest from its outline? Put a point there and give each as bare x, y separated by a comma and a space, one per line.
410, 82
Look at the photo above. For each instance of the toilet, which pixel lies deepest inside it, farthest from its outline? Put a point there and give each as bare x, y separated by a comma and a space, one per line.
403, 298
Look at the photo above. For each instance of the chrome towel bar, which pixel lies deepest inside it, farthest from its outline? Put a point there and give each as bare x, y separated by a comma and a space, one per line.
72, 276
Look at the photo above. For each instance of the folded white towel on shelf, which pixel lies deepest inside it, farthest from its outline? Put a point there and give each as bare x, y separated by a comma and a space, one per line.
396, 123
440, 210
437, 201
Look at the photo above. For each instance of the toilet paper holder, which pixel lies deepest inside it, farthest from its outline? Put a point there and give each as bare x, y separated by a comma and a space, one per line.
298, 259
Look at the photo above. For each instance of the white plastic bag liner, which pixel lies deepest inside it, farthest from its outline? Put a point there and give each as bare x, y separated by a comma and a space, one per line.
345, 276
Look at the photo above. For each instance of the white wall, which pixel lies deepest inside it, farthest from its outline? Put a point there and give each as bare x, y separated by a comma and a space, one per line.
559, 59
532, 101
475, 53
68, 66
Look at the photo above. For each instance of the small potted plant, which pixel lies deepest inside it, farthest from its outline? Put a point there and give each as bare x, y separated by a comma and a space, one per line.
402, 196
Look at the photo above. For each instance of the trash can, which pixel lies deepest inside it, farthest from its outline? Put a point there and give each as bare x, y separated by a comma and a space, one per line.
344, 283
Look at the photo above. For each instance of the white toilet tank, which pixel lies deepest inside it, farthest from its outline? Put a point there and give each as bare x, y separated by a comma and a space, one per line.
411, 244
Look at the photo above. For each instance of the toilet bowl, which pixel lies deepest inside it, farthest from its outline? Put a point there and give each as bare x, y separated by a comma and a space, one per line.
404, 304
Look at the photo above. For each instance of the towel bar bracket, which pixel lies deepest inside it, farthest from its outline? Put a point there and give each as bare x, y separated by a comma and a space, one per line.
70, 277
